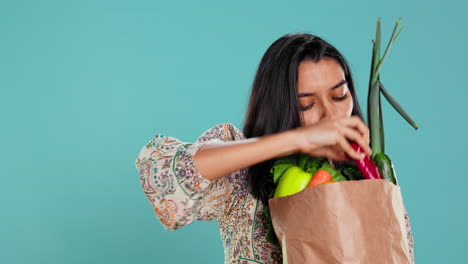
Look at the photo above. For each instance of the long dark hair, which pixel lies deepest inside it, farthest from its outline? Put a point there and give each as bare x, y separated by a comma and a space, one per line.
274, 106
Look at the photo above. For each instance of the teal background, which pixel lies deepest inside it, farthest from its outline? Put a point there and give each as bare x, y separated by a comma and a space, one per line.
85, 84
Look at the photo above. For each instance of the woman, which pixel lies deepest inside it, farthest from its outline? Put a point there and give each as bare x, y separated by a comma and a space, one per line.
303, 100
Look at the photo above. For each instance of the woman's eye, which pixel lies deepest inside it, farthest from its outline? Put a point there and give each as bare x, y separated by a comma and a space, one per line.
334, 98
306, 107
340, 98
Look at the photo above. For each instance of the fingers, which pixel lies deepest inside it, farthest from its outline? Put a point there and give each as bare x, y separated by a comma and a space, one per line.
356, 137
332, 139
356, 122
342, 151
358, 126
334, 153
338, 154
349, 150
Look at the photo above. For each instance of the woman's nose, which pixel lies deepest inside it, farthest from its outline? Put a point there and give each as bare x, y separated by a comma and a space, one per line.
327, 111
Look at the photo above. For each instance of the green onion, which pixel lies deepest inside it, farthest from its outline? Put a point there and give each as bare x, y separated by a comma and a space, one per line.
374, 105
397, 106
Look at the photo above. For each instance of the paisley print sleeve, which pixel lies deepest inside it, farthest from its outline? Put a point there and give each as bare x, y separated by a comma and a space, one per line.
409, 233
178, 193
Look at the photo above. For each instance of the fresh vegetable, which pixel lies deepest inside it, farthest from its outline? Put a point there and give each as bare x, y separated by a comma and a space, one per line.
320, 177
310, 164
270, 231
281, 165
336, 173
293, 180
290, 173
374, 106
385, 166
352, 174
367, 167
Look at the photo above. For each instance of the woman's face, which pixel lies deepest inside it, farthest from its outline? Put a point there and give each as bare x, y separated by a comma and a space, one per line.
323, 91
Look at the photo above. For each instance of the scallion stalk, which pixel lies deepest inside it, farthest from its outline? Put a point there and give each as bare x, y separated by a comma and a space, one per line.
374, 105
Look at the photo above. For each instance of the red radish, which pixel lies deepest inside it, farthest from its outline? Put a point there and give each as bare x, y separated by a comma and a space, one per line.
366, 166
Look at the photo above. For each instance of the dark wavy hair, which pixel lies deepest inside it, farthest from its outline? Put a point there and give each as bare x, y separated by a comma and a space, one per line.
274, 105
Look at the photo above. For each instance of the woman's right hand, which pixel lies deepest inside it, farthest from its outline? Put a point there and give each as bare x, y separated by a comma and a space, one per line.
329, 138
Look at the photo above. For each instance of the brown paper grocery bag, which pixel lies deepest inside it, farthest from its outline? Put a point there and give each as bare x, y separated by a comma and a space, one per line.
346, 222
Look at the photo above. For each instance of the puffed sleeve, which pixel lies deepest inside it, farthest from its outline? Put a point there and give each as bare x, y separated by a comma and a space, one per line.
177, 192
409, 234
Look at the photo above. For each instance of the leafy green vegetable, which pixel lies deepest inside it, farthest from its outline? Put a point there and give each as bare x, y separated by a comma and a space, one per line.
303, 160
281, 165
353, 174
307, 163
270, 233
336, 174
314, 164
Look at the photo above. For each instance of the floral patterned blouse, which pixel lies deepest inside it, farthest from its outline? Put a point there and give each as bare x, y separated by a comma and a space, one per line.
179, 195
